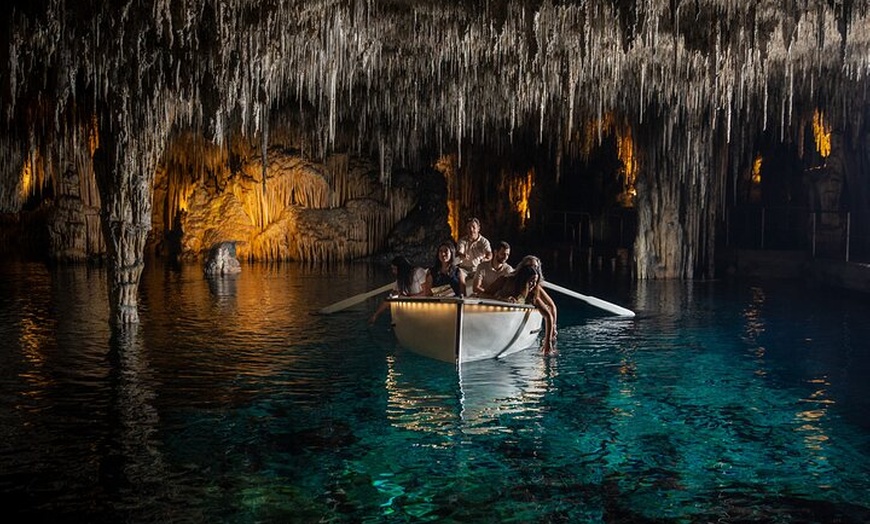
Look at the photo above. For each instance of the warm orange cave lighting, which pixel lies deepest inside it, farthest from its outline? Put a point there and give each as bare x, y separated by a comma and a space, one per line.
26, 179
609, 125
183, 206
446, 165
822, 134
626, 152
756, 170
453, 217
519, 192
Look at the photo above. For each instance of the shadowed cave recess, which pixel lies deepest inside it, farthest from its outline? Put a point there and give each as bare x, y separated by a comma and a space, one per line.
323, 131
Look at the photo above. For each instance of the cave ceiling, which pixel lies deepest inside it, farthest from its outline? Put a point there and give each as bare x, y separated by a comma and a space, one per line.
409, 80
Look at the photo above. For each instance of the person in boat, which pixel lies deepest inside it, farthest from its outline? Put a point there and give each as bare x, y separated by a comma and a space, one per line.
488, 272
518, 287
472, 249
544, 297
524, 285
445, 278
410, 282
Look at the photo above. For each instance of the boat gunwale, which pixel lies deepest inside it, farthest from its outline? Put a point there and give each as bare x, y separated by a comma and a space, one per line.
462, 300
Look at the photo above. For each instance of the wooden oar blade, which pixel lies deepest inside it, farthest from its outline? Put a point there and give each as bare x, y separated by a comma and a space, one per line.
356, 299
593, 301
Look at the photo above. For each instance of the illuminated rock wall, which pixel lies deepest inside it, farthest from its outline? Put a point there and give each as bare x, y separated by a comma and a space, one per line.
301, 210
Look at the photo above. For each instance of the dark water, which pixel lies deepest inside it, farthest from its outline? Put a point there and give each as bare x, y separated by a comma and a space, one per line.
230, 402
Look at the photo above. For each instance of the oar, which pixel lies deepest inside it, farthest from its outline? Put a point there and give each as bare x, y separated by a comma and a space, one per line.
356, 299
597, 302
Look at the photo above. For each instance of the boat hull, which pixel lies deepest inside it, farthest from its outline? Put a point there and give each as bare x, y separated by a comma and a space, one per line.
464, 329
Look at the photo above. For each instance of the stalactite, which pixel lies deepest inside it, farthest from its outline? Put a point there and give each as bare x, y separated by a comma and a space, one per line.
336, 169
441, 72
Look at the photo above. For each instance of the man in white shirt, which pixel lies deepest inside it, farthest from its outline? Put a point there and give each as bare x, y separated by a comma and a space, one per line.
473, 248
488, 272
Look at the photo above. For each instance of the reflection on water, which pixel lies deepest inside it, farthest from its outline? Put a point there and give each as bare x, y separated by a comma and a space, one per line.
496, 390
231, 401
475, 398
134, 458
421, 394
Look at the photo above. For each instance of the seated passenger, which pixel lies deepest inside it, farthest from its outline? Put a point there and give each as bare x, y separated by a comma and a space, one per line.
544, 297
524, 285
410, 282
488, 272
472, 249
445, 278
518, 287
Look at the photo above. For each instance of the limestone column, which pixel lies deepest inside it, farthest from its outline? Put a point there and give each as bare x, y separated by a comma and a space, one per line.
677, 206
124, 165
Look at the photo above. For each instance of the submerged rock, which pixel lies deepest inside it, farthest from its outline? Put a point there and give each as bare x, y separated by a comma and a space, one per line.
222, 259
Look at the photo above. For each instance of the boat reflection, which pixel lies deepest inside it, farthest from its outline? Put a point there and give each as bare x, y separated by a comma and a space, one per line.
498, 393
486, 396
421, 394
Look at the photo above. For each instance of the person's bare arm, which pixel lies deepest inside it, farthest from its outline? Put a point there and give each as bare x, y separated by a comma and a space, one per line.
478, 282
427, 285
461, 246
383, 307
548, 300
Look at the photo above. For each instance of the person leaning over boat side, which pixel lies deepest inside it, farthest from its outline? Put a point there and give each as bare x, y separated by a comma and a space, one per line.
488, 272
545, 298
524, 285
445, 278
410, 282
472, 249
517, 287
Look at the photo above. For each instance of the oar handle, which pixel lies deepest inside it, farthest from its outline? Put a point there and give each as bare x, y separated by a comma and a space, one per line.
356, 299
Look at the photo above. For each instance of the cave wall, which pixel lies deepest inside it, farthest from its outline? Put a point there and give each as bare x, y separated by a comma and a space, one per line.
291, 209
294, 209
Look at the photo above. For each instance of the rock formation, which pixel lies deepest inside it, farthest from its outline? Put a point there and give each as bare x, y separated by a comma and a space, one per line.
222, 260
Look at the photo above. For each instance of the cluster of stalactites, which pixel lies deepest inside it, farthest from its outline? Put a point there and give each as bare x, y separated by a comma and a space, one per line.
439, 74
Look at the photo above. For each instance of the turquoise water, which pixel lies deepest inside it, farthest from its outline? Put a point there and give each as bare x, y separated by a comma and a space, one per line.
232, 402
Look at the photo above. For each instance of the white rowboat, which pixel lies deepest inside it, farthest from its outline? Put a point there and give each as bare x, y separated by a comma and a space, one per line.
462, 330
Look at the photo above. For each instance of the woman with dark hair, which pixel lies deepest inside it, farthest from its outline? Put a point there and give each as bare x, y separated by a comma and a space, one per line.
445, 278
410, 282
519, 287
544, 297
524, 286
409, 279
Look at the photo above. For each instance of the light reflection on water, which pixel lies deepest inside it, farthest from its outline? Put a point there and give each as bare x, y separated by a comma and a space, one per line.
231, 401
